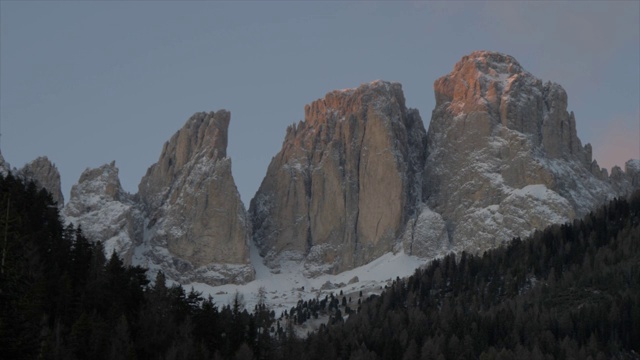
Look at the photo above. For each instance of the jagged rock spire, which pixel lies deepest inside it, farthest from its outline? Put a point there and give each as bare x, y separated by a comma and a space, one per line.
46, 175
194, 208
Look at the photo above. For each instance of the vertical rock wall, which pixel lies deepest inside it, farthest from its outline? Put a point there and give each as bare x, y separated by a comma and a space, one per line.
342, 187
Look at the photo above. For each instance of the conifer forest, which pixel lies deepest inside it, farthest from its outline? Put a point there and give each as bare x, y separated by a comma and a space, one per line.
571, 291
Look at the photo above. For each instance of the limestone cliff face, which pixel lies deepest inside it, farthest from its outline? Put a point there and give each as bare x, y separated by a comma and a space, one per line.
344, 184
45, 174
359, 177
197, 227
503, 154
106, 212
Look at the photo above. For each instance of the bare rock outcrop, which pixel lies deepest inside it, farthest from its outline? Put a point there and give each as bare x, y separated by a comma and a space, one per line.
197, 226
344, 183
358, 178
503, 155
46, 175
105, 212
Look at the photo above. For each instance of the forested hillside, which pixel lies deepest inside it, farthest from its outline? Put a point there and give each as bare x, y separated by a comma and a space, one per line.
568, 292
60, 298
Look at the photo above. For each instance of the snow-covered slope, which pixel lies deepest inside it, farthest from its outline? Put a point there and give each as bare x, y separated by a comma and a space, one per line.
285, 287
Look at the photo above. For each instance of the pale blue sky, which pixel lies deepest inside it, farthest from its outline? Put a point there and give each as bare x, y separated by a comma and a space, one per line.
86, 83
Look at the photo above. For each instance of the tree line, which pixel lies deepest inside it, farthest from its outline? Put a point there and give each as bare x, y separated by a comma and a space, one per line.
571, 291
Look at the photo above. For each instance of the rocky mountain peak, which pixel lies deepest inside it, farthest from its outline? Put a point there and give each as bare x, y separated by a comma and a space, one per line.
503, 96
504, 155
359, 178
204, 131
476, 79
342, 185
490, 64
193, 206
104, 211
46, 175
95, 187
204, 135
187, 218
337, 103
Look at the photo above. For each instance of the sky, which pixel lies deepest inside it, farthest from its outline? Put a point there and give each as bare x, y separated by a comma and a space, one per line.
85, 83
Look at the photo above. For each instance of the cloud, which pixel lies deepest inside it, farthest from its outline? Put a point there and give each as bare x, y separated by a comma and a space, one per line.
619, 142
572, 41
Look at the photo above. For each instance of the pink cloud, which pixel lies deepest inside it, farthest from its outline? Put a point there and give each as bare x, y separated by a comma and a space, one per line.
619, 142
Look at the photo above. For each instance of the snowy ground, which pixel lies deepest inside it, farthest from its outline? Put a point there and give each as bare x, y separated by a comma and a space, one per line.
284, 289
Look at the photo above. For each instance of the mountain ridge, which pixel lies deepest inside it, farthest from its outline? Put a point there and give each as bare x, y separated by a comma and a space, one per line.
360, 177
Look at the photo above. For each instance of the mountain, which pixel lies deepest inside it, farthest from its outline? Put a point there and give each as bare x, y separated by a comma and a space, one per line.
197, 227
339, 192
360, 176
567, 292
504, 157
187, 218
105, 212
43, 173
358, 179
545, 297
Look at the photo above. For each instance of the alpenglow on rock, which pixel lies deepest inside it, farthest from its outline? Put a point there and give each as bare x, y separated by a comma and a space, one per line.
358, 178
46, 175
197, 227
503, 155
341, 189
